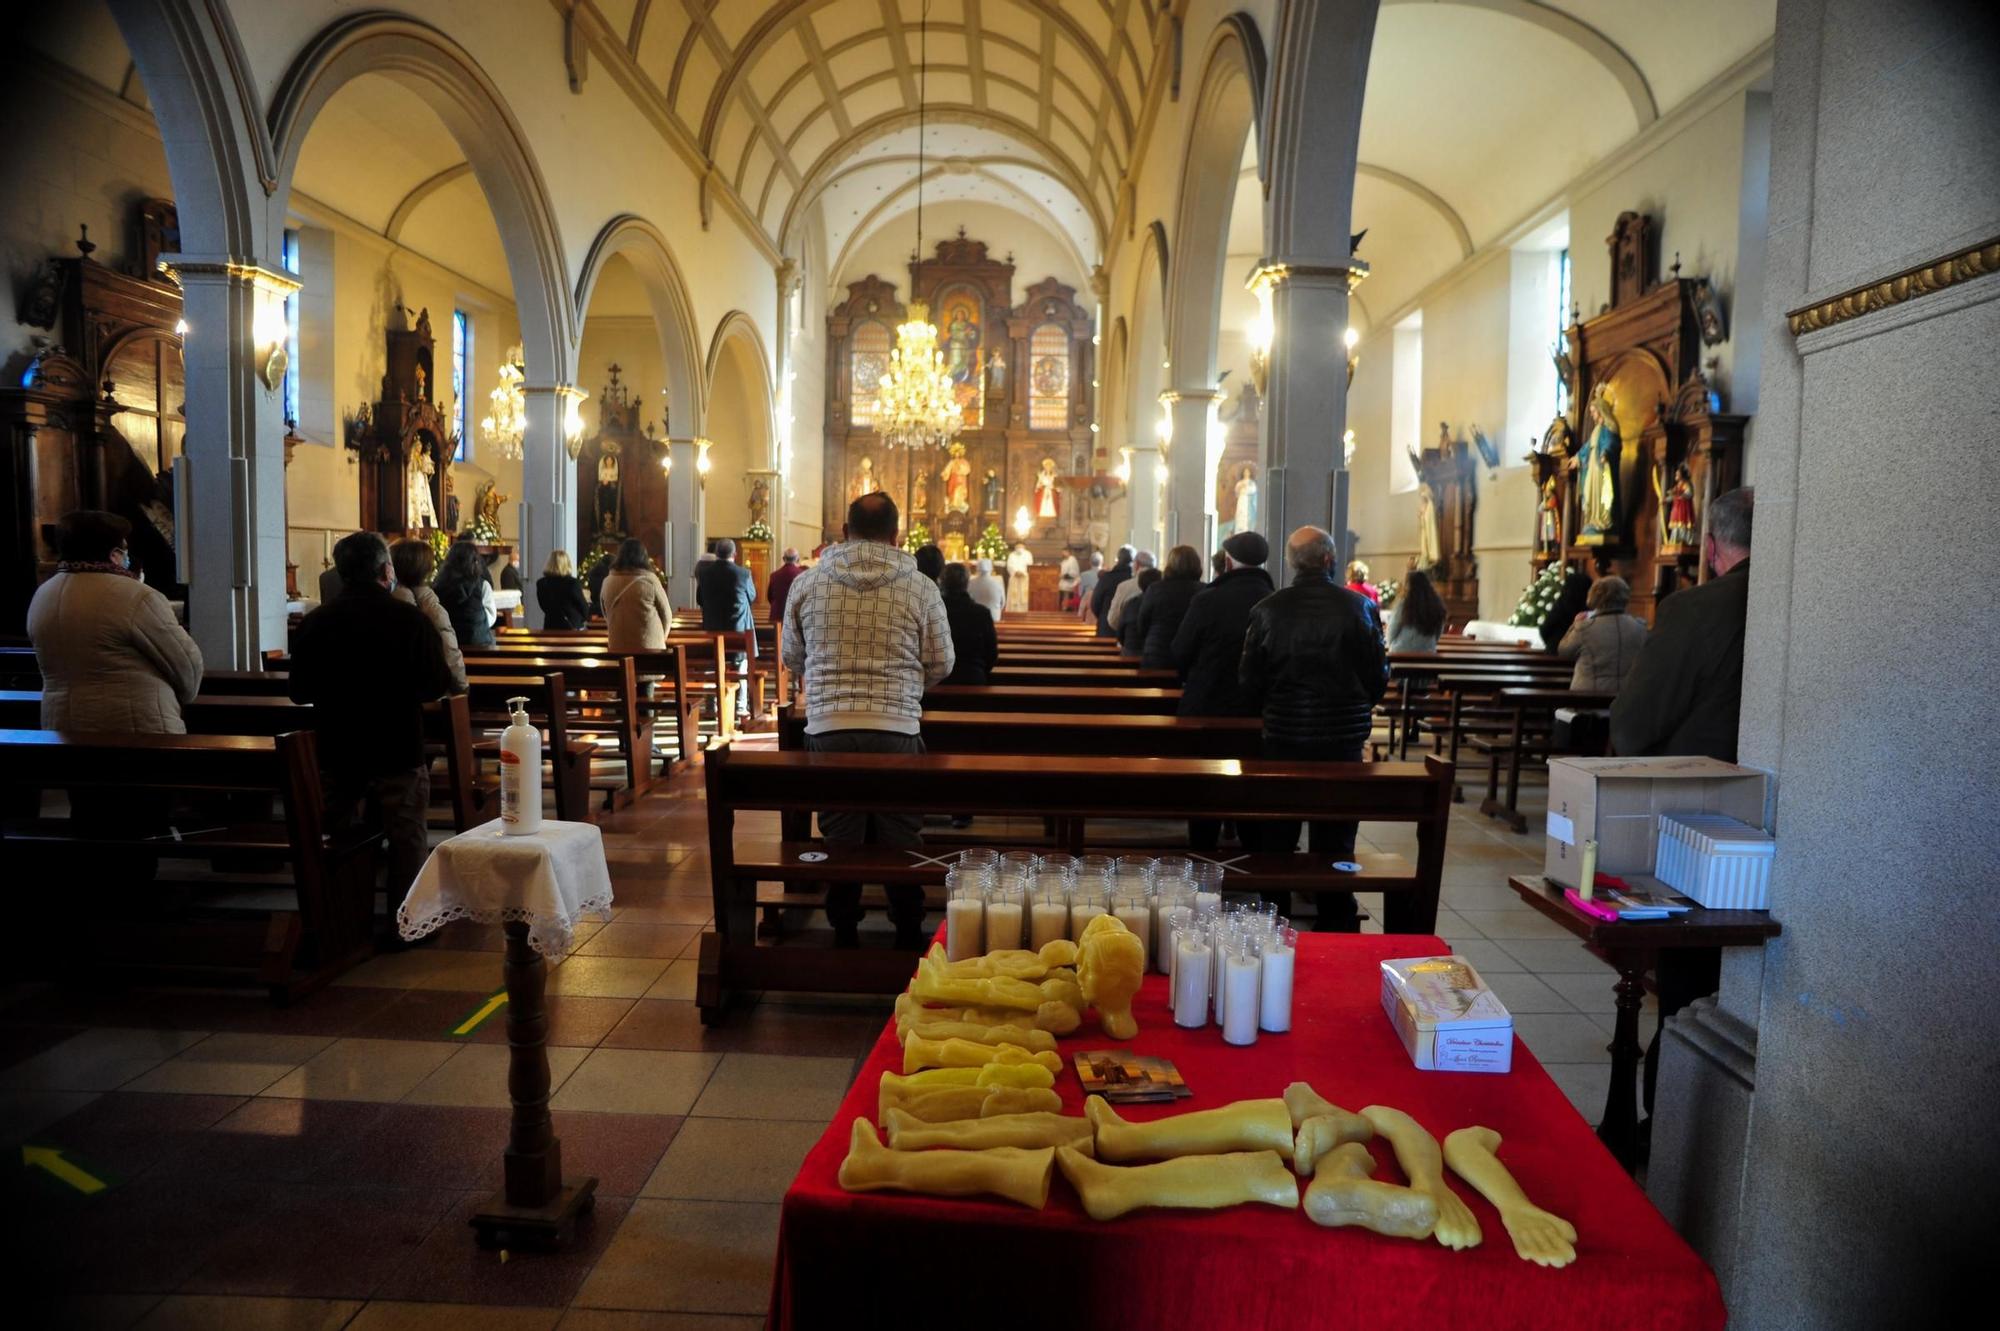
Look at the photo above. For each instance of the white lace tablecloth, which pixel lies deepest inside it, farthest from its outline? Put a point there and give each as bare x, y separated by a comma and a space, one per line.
550, 878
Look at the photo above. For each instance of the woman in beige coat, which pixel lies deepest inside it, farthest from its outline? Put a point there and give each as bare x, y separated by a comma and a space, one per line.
112, 656
1605, 641
634, 603
414, 562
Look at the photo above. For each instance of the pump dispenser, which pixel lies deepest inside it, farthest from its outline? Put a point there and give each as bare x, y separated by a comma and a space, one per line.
520, 772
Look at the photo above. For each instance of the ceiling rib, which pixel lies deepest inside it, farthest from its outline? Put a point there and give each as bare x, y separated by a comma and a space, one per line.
422, 190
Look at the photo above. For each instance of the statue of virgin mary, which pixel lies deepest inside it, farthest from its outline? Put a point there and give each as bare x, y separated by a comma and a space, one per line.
1599, 501
420, 510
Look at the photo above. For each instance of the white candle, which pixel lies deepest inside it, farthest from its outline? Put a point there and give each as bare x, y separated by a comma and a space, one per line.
1190, 981
1163, 934
1048, 921
1218, 996
1134, 914
1003, 925
962, 927
1207, 902
1081, 912
1242, 979
1274, 1011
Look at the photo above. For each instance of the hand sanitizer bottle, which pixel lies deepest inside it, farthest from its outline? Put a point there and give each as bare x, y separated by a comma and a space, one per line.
520, 772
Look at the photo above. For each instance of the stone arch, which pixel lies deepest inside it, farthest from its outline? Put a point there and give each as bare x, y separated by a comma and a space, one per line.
1146, 347
473, 112
740, 423
641, 244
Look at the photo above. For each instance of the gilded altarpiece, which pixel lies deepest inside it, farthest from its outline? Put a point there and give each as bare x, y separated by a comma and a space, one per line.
1023, 375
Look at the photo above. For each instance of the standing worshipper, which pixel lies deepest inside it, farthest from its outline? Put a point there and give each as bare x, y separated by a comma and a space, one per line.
1208, 647
1165, 604
988, 590
868, 634
780, 585
367, 663
1419, 616
1019, 561
726, 592
635, 606
1313, 663
464, 592
1123, 595
1107, 587
973, 641
412, 562
1067, 574
560, 595
1086, 584
1685, 695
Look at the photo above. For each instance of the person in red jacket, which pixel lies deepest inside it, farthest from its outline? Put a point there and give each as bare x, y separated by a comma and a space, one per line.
782, 578
1357, 581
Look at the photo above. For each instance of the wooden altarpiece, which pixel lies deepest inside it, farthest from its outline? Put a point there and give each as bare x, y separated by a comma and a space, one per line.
405, 422
1645, 351
1450, 471
618, 471
1024, 376
95, 417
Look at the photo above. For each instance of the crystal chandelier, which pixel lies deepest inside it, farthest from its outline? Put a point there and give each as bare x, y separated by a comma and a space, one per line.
506, 420
917, 404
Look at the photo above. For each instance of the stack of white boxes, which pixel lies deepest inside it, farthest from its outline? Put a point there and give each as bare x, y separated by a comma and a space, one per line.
1719, 862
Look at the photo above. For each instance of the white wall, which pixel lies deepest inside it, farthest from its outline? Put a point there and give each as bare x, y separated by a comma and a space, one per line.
1037, 252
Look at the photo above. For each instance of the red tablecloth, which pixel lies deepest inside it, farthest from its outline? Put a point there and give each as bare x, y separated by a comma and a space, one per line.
887, 1259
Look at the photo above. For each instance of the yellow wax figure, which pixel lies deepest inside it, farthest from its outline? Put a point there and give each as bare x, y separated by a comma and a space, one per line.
1539, 1237
1423, 1163
947, 1104
1025, 1038
1056, 1004
1200, 1182
920, 1053
1342, 1193
1247, 1125
1110, 963
1025, 1131
1014, 963
1017, 1175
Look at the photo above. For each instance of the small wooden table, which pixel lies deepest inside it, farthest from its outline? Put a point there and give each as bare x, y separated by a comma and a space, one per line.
1683, 952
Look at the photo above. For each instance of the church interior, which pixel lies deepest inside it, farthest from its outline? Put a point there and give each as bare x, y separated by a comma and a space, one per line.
1514, 394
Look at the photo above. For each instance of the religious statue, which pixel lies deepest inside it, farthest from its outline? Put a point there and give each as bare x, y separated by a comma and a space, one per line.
607, 488
421, 508
1599, 505
760, 502
864, 479
920, 493
990, 496
421, 378
1246, 499
1019, 560
961, 340
1430, 550
952, 545
996, 373
1047, 504
1550, 536
957, 482
1680, 508
487, 504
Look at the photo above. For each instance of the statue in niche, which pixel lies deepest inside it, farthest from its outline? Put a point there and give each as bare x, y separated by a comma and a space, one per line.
1246, 499
1599, 503
760, 502
1048, 504
1680, 508
420, 508
1551, 518
990, 492
920, 493
423, 382
864, 479
996, 373
1430, 549
957, 482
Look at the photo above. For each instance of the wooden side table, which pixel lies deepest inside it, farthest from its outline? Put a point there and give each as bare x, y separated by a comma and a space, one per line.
1682, 952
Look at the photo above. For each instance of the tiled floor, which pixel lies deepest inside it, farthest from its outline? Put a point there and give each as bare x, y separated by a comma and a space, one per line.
313, 1166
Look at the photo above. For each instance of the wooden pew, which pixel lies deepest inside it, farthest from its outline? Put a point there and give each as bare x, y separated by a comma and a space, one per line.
1072, 789
290, 952
1531, 735
1123, 735
674, 678
1128, 677
603, 699
1050, 698
568, 756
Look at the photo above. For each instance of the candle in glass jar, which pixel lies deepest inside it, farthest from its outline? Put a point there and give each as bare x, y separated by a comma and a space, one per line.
1242, 977
1085, 905
1274, 1011
1190, 980
1133, 912
964, 924
1048, 918
1003, 919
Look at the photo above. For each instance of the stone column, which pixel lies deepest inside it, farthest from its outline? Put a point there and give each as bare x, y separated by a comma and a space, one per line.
1305, 404
686, 519
1142, 497
1190, 509
548, 481
233, 525
790, 283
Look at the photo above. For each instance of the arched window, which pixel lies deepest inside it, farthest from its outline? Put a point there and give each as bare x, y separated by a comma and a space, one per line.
868, 356
146, 379
1048, 378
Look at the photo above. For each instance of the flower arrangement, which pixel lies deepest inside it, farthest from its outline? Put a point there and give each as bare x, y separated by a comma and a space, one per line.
757, 531
590, 561
1539, 599
1388, 589
440, 547
917, 537
484, 530
991, 544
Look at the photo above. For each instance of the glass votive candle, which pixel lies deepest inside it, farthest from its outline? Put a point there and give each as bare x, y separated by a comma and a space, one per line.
1061, 861
1048, 911
1172, 866
1087, 901
1243, 979
1092, 866
1003, 918
1206, 879
1135, 913
979, 857
964, 913
1169, 895
1019, 862
1190, 984
1274, 1009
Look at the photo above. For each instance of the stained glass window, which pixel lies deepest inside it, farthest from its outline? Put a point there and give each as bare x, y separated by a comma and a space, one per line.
869, 353
291, 262
1048, 378
461, 356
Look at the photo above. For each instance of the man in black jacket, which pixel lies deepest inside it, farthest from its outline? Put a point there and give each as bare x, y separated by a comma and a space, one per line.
1314, 665
367, 663
1685, 695
1107, 587
725, 591
1208, 647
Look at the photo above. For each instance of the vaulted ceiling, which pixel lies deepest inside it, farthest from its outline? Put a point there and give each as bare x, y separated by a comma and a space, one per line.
1035, 104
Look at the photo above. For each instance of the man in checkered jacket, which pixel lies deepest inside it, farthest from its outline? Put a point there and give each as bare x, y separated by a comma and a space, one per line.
867, 633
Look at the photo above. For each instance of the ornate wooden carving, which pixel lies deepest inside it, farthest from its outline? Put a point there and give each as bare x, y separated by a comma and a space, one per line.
1635, 268
623, 490
405, 420
1646, 350
1450, 470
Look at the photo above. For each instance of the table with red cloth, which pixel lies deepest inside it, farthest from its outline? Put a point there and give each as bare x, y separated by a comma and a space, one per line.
892, 1258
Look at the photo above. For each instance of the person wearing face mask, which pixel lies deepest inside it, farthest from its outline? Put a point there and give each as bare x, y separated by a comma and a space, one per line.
112, 656
368, 662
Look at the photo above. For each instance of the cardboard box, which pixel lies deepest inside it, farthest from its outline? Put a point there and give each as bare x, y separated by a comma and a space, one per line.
1446, 1017
1618, 802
